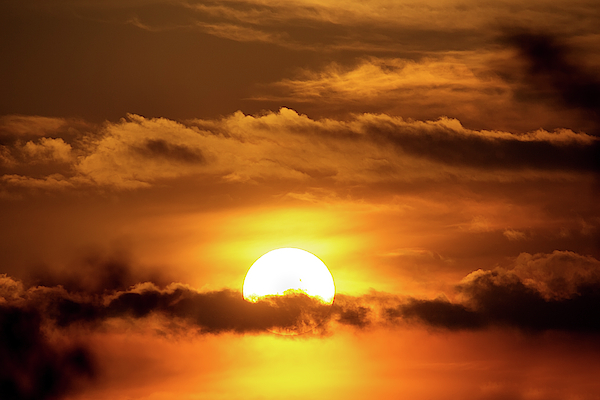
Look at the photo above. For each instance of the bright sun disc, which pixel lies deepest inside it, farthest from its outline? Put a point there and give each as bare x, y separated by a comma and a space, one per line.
289, 270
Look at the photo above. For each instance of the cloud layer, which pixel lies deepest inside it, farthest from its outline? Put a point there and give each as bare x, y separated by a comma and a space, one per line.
558, 291
327, 25
540, 292
137, 152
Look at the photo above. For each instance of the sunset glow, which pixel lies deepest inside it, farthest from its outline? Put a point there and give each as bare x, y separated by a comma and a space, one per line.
182, 180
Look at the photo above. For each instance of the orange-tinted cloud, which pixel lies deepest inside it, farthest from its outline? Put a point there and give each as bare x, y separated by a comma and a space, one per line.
368, 148
401, 25
540, 292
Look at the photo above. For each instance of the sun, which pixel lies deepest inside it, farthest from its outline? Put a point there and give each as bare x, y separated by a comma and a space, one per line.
289, 270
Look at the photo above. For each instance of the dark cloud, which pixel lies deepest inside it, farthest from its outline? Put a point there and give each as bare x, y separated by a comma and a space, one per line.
96, 272
554, 72
169, 151
31, 366
213, 312
208, 312
558, 291
503, 299
438, 313
354, 315
490, 298
482, 151
525, 297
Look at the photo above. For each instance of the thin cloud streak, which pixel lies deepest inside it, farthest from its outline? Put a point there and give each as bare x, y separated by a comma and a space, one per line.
384, 24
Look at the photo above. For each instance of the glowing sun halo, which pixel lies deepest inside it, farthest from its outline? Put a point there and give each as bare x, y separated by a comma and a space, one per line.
286, 270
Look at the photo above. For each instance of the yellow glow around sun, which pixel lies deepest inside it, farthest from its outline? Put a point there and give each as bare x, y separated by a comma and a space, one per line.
282, 270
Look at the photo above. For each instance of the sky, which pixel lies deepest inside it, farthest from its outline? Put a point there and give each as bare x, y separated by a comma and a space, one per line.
440, 157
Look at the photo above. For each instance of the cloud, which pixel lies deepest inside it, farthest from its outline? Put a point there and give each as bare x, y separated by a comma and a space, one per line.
50, 182
48, 149
438, 313
479, 224
136, 152
512, 234
33, 367
177, 304
96, 273
554, 72
381, 25
557, 291
16, 150
559, 274
160, 148
459, 86
29, 125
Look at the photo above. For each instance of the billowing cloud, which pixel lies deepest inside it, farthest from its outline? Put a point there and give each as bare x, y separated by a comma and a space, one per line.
540, 292
560, 274
48, 149
557, 291
138, 151
206, 312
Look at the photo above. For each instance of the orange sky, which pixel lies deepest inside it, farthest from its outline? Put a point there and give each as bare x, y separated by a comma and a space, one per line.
441, 157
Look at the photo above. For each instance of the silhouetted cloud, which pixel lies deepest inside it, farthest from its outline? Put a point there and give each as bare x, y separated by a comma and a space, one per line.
356, 315
558, 291
458, 147
31, 366
208, 312
438, 313
553, 72
503, 299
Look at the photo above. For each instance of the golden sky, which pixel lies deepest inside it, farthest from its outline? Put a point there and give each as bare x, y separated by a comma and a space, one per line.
441, 157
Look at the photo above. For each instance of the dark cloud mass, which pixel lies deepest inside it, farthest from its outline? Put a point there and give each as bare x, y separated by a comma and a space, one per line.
31, 366
95, 273
438, 313
542, 292
553, 69
209, 312
525, 297
173, 152
512, 298
481, 151
500, 299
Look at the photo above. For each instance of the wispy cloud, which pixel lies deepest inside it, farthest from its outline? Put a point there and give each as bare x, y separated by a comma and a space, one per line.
383, 24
